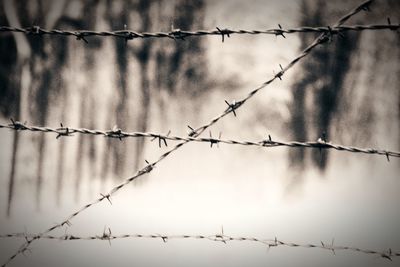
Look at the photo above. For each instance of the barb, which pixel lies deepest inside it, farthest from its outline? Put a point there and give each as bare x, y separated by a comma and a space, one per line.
177, 34
221, 237
194, 133
162, 139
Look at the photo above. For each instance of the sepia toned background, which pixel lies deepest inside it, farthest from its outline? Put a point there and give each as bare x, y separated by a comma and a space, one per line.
347, 89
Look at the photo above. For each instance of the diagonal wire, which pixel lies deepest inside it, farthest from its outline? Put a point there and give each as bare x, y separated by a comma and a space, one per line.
221, 237
118, 133
179, 34
148, 168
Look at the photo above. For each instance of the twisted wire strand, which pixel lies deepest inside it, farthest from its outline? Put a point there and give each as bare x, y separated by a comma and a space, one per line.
179, 34
323, 38
270, 243
117, 133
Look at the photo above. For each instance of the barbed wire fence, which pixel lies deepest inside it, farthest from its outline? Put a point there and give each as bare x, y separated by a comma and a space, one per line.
117, 133
326, 35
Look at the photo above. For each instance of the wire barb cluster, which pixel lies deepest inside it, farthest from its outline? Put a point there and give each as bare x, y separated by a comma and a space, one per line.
219, 237
162, 139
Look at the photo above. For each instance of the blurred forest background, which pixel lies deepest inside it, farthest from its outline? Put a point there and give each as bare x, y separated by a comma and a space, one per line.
61, 71
47, 80
347, 90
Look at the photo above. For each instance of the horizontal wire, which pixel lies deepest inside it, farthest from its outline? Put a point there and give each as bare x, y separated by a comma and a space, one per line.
118, 133
323, 38
107, 236
179, 34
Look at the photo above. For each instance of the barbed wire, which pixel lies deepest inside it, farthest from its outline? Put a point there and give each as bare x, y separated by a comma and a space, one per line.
220, 237
179, 34
322, 38
162, 138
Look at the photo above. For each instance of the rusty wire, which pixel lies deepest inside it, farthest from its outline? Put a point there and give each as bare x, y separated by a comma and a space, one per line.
268, 142
220, 237
179, 34
322, 38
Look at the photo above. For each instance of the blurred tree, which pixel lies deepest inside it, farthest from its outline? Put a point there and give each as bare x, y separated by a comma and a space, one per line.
10, 90
86, 152
335, 92
318, 88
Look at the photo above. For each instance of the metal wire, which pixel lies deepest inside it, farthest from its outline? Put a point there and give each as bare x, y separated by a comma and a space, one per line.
323, 38
221, 237
268, 142
179, 34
